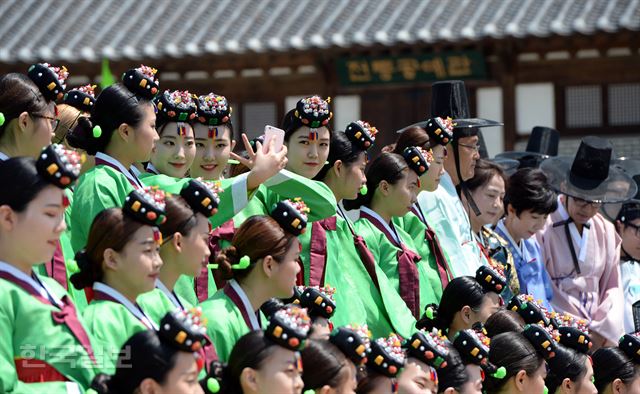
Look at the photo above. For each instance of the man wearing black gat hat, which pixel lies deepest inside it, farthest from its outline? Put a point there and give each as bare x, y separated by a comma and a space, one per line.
580, 248
443, 207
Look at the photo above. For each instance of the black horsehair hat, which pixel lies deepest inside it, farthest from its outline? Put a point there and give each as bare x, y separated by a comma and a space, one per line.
49, 79
291, 215
289, 327
449, 100
82, 98
543, 143
589, 175
58, 165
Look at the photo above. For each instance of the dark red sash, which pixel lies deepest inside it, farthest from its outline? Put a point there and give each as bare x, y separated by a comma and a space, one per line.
318, 250
66, 315
444, 271
407, 268
235, 298
57, 268
222, 233
31, 370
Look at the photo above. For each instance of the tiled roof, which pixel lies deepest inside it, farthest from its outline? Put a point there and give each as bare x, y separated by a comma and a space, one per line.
73, 30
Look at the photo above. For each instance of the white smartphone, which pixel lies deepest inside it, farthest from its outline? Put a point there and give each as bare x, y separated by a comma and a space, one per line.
274, 133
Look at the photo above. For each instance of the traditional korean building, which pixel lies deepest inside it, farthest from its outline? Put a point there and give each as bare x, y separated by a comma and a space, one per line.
569, 64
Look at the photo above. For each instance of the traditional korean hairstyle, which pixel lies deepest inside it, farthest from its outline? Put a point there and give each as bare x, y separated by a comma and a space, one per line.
260, 236
621, 362
28, 177
113, 228
117, 104
347, 146
502, 321
437, 131
461, 291
388, 167
19, 94
312, 111
327, 364
453, 375
152, 354
288, 328
197, 196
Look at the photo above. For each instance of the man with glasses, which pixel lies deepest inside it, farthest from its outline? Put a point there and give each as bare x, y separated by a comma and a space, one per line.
580, 248
443, 207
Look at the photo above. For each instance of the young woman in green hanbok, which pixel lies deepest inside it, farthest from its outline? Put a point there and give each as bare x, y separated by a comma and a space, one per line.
185, 247
44, 347
121, 261
260, 264
392, 189
120, 132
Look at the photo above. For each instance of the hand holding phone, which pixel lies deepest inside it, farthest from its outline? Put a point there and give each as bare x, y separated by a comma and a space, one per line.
273, 133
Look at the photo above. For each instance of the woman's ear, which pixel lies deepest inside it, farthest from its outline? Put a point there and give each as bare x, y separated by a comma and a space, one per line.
123, 132
110, 258
326, 389
567, 385
176, 241
384, 188
520, 380
617, 386
465, 314
450, 390
7, 218
24, 119
148, 386
337, 167
268, 265
249, 379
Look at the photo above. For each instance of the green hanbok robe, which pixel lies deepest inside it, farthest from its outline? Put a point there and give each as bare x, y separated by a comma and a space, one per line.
42, 337
230, 316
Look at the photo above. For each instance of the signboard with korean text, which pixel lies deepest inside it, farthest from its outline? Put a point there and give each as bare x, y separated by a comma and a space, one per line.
358, 71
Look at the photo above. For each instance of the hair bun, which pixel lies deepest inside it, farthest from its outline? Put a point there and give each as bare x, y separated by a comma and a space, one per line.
313, 111
318, 300
440, 130
491, 278
417, 159
184, 330
146, 206
353, 341
176, 106
202, 196
289, 327
142, 81
386, 356
213, 110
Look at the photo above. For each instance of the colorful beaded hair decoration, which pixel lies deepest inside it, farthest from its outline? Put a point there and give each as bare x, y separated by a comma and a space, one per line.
491, 278
59, 165
361, 133
417, 159
429, 347
202, 196
440, 130
213, 111
318, 300
49, 79
186, 331
177, 106
83, 98
386, 355
313, 112
142, 81
289, 327
146, 206
354, 341
291, 215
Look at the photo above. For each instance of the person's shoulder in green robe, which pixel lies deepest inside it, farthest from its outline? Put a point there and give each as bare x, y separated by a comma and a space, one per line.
156, 304
225, 324
98, 189
30, 332
111, 324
